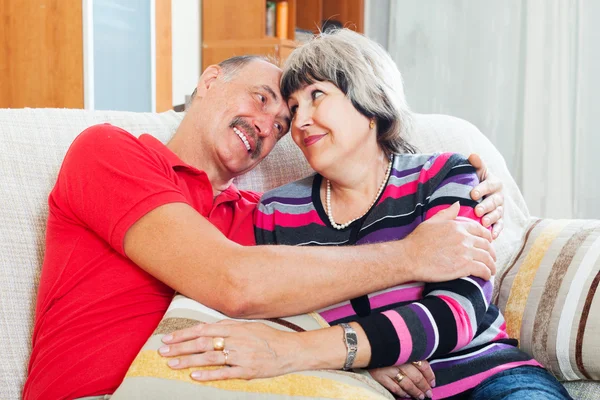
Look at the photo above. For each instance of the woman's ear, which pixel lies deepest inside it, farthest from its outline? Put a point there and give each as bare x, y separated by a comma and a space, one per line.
208, 77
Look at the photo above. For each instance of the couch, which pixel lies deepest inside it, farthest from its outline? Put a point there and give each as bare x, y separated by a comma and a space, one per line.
34, 141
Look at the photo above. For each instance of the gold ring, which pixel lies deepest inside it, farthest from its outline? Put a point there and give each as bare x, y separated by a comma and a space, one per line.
417, 363
226, 354
398, 378
218, 343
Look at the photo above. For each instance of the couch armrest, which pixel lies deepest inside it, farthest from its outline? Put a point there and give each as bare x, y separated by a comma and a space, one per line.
548, 296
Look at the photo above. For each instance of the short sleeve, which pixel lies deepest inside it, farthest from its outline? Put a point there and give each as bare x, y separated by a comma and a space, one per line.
109, 180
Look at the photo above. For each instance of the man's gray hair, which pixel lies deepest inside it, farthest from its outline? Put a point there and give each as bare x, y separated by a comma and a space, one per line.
367, 75
233, 65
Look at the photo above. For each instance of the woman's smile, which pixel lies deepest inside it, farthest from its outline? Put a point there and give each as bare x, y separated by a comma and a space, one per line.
310, 140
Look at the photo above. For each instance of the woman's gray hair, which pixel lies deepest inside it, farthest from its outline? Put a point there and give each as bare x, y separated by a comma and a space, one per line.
367, 75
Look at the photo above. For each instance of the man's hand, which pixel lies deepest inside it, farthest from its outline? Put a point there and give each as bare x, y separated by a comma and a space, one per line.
445, 247
416, 380
490, 187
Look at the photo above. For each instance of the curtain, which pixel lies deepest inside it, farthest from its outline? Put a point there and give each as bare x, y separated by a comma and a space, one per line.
524, 72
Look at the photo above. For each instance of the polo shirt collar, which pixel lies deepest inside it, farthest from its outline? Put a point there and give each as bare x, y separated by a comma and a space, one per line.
230, 194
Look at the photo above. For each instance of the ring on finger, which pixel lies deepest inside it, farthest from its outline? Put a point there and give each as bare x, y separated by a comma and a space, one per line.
218, 343
226, 354
398, 378
417, 363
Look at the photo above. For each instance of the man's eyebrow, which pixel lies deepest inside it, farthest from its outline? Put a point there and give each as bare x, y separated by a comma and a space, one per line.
269, 90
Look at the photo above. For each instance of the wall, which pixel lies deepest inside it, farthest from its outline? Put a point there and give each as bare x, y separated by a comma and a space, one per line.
185, 22
377, 20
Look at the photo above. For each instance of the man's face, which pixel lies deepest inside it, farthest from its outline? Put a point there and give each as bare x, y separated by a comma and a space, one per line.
243, 118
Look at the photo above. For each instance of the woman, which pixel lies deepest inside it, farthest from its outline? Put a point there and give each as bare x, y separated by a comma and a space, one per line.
350, 119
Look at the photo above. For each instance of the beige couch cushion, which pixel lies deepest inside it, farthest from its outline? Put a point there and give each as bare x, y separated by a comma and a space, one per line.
34, 141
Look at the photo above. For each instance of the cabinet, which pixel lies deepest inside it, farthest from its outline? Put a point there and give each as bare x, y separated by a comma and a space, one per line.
238, 27
97, 54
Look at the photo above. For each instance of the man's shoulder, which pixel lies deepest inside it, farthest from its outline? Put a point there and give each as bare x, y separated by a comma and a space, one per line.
105, 131
103, 139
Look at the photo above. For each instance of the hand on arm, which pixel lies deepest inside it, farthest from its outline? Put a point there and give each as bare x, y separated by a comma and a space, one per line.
259, 351
490, 189
444, 248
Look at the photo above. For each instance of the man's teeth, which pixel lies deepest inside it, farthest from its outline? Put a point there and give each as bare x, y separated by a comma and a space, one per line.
243, 137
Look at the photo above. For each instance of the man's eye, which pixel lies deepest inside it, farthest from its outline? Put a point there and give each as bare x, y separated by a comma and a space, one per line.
279, 127
316, 94
263, 99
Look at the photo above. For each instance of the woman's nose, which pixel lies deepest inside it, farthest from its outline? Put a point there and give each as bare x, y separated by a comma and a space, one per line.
303, 117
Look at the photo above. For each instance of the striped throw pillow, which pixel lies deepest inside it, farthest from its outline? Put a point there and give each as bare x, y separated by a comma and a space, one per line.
548, 295
149, 377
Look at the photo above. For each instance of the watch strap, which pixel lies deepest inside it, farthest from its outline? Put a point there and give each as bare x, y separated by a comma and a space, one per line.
351, 342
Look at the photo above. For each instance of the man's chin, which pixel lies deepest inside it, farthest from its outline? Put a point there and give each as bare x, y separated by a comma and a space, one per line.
238, 170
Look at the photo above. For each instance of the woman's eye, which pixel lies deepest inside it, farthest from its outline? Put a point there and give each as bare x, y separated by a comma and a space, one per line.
293, 110
316, 94
263, 99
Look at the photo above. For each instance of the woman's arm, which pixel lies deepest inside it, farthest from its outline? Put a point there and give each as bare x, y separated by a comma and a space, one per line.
449, 313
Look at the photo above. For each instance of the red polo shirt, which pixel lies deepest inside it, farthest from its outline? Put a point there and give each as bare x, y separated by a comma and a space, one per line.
96, 308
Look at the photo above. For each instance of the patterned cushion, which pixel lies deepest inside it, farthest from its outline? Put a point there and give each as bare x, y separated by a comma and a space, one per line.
548, 296
149, 377
582, 390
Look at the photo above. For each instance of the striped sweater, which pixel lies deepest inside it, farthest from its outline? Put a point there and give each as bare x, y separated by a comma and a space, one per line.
451, 324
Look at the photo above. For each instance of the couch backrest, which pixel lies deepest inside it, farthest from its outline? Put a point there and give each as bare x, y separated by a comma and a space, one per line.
34, 141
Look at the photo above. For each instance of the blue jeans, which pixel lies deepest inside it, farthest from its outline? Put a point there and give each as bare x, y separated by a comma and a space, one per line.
531, 383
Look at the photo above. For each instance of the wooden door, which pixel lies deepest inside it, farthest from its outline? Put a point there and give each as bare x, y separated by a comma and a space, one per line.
41, 53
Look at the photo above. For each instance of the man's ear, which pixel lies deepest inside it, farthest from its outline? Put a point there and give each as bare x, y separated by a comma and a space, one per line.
207, 78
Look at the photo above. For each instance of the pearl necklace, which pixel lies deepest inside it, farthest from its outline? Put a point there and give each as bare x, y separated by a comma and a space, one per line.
329, 211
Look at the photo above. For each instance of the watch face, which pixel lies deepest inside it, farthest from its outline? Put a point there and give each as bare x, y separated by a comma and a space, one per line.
352, 340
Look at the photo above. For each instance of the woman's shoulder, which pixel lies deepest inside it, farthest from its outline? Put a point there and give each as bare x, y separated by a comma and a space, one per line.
289, 194
435, 163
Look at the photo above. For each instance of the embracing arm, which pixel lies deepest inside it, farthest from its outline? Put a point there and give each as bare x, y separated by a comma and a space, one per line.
178, 246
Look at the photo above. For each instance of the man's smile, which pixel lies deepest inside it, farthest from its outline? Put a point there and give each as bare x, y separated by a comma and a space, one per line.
243, 138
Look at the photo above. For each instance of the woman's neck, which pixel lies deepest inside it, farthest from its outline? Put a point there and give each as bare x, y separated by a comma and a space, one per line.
353, 187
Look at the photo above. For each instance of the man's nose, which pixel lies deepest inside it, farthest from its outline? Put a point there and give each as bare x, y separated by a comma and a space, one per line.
264, 126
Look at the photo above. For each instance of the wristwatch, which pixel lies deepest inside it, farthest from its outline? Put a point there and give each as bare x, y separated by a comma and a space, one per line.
351, 342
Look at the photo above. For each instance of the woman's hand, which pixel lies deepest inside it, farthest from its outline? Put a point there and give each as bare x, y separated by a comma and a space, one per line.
253, 349
489, 188
416, 380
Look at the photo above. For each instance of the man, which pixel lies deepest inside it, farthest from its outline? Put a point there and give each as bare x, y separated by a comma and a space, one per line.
131, 221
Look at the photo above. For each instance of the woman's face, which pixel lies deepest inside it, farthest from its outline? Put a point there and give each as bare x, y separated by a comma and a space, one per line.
327, 127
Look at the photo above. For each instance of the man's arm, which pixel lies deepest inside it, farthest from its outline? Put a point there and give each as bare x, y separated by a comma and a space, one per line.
178, 246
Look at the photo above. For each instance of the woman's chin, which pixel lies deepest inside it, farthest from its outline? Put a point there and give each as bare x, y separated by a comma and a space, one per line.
318, 164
